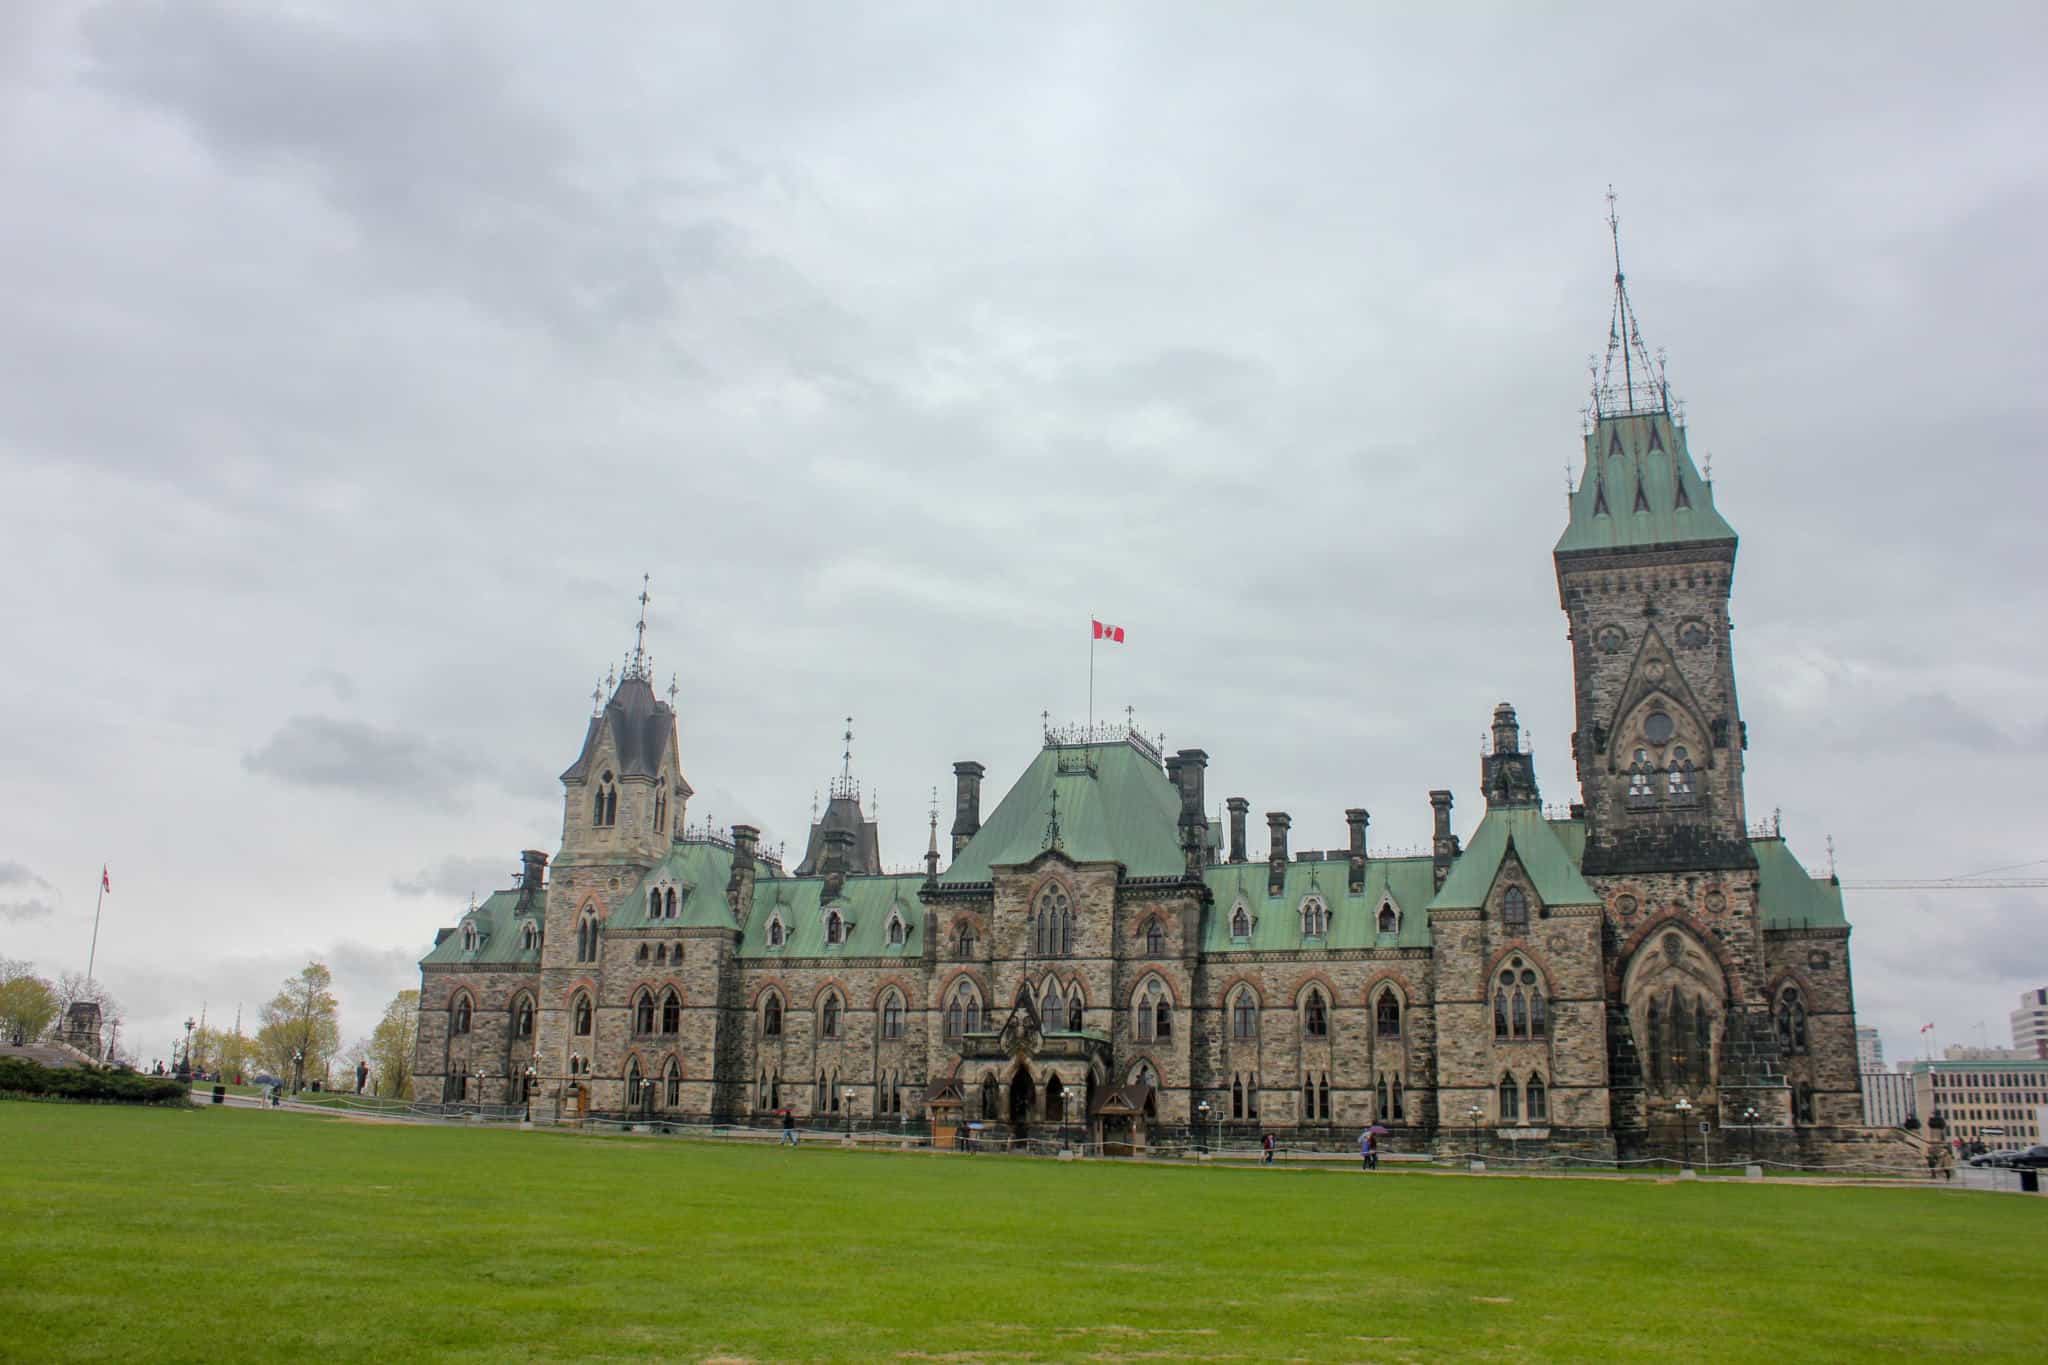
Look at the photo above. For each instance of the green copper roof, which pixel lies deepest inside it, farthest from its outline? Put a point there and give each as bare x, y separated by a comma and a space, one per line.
699, 870
1790, 897
866, 902
1640, 489
1276, 921
1115, 805
499, 936
1552, 868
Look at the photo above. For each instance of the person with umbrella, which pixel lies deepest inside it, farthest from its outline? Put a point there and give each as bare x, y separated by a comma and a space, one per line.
1369, 1147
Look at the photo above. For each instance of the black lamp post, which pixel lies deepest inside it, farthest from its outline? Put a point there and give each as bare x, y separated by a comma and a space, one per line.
190, 1024
298, 1068
480, 1074
1202, 1115
526, 1093
1684, 1108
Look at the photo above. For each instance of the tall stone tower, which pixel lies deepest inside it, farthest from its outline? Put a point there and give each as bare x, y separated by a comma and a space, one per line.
1644, 569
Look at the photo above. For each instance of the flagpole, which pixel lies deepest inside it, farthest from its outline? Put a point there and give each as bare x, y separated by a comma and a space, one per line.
1091, 681
98, 901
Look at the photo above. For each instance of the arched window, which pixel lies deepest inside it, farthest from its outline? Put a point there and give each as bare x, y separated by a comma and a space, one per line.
669, 903
672, 1085
1236, 1098
661, 952
529, 936
828, 1017
470, 937
1154, 1010
1240, 922
671, 1013
579, 1014
1054, 929
660, 807
586, 936
1379, 1095
522, 1018
1519, 1009
643, 1014
1323, 1089
1791, 1022
953, 1017
1052, 1009
771, 1016
963, 947
892, 1015
1315, 1015
1514, 910
1802, 1104
1539, 1100
1244, 1015
1397, 1096
1386, 1014
895, 930
1641, 791
642, 953
654, 903
818, 1101
988, 1095
778, 934
1390, 918
835, 928
1315, 917
1510, 1100
1074, 1013
1308, 1098
1155, 939
1679, 776
605, 807
462, 1011
775, 1090
577, 1065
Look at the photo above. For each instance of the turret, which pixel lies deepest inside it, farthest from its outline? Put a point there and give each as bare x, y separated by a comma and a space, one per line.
739, 887
966, 803
1443, 845
1356, 819
1277, 822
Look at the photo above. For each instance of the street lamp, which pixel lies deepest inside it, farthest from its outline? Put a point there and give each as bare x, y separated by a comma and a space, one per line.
480, 1088
190, 1024
846, 1103
1202, 1116
1067, 1093
1684, 1108
1749, 1118
526, 1093
1474, 1112
298, 1068
646, 1096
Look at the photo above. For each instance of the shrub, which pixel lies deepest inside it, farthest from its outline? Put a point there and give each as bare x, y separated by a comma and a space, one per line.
19, 1076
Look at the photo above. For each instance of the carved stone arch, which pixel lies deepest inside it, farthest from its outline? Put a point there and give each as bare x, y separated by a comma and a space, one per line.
1676, 993
1230, 987
1667, 918
1154, 974
1654, 678
969, 974
887, 984
1298, 993
1409, 994
832, 985
761, 992
1074, 982
1530, 958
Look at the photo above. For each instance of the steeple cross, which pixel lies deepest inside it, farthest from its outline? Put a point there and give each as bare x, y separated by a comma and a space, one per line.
846, 759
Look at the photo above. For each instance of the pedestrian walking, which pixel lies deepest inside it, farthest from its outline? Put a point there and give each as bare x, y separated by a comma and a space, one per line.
788, 1129
1372, 1150
1268, 1145
1365, 1149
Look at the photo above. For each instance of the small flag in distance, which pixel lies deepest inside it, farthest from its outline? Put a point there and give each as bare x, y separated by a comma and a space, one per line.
105, 885
1103, 632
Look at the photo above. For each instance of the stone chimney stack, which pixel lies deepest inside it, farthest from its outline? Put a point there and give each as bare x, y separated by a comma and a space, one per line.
1190, 769
1507, 733
1357, 818
967, 803
739, 888
837, 843
1239, 808
1277, 822
1443, 844
533, 867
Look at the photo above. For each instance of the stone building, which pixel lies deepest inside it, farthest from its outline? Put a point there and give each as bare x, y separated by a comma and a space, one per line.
1097, 954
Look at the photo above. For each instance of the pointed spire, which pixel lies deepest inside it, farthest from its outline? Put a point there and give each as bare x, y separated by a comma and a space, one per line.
931, 852
637, 663
1640, 387
1052, 824
672, 690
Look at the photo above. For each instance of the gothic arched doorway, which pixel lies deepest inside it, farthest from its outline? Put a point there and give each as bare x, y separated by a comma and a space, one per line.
1021, 1090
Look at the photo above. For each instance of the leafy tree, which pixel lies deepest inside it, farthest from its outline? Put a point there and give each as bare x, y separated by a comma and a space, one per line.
392, 1043
301, 1018
215, 1049
28, 1004
73, 987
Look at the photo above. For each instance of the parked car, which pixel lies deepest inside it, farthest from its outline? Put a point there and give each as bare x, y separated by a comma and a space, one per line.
2033, 1159
1999, 1160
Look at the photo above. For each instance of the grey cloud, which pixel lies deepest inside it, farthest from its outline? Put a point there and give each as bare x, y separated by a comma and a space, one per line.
20, 894
326, 751
460, 877
335, 681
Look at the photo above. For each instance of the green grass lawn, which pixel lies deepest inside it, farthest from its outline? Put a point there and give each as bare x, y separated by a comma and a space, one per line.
225, 1234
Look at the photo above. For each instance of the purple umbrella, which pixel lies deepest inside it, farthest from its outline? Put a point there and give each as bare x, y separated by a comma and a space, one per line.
1376, 1130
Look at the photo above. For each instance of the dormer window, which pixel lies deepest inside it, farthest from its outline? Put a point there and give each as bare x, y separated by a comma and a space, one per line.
1389, 919
470, 937
896, 930
669, 898
604, 803
1240, 922
777, 933
835, 928
1514, 910
1315, 917
529, 936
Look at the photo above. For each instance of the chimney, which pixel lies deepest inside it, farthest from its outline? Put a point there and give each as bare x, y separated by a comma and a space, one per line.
967, 803
1443, 843
533, 866
1277, 822
1189, 768
1507, 734
1239, 807
837, 842
739, 888
1357, 818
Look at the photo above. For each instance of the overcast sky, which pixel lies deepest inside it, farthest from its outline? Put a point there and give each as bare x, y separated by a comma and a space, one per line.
360, 359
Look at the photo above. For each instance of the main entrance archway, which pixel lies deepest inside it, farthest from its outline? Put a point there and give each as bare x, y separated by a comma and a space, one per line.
1021, 1089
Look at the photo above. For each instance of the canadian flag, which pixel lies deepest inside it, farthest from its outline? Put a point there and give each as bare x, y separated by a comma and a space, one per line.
105, 885
1927, 1028
1103, 632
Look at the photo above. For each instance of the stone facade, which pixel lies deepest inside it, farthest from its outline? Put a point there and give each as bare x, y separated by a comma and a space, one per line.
1094, 958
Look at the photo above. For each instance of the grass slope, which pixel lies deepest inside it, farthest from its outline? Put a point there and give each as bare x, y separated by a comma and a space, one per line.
225, 1234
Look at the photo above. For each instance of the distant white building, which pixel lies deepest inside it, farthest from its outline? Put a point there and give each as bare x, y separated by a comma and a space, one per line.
1993, 1100
1869, 1050
2030, 1024
1887, 1098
